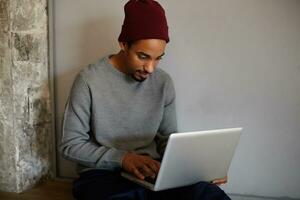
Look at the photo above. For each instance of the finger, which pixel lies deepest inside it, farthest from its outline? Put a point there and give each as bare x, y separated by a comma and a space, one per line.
147, 171
153, 167
223, 181
219, 182
152, 164
216, 183
157, 165
138, 174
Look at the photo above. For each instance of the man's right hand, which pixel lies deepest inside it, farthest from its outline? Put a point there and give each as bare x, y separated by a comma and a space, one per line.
141, 166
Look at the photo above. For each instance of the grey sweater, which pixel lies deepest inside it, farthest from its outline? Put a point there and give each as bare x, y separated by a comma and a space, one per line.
108, 114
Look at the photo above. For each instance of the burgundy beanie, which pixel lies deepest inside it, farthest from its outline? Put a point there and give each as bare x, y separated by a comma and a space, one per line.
144, 19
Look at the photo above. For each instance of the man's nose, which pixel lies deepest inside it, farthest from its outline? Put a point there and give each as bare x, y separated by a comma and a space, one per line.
149, 67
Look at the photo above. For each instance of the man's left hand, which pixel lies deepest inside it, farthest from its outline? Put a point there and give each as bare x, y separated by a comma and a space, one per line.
220, 181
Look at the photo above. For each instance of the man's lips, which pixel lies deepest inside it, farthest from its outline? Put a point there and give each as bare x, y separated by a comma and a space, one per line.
143, 75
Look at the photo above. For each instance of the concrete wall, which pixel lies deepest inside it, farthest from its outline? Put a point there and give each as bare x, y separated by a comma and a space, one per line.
25, 114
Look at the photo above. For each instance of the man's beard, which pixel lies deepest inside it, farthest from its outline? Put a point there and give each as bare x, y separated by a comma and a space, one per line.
139, 77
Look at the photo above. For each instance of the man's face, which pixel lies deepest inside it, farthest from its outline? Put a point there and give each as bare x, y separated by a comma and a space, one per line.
142, 57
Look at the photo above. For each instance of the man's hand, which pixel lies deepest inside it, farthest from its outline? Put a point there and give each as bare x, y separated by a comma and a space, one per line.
220, 181
140, 166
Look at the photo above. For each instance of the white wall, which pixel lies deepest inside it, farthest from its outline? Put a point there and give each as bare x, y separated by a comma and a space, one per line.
234, 63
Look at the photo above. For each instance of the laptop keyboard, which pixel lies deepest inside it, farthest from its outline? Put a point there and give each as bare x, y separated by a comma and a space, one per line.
150, 180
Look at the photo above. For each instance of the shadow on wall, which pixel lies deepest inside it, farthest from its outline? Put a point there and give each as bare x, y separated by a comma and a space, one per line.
97, 38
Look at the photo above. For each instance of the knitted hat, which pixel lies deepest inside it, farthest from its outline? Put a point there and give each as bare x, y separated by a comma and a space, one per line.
144, 19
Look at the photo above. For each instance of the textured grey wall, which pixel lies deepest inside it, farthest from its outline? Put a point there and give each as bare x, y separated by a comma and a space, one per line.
25, 114
7, 139
234, 63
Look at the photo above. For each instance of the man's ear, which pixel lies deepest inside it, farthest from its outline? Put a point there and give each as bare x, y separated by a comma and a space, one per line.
123, 46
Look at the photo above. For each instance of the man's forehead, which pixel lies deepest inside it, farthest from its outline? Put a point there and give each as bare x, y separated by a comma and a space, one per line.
150, 42
148, 55
151, 47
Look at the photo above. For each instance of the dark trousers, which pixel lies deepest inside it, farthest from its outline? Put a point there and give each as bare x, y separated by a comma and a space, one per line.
102, 184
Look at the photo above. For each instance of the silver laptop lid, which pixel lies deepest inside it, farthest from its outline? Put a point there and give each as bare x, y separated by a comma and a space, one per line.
197, 156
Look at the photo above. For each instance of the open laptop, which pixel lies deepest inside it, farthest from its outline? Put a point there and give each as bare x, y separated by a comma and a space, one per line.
192, 157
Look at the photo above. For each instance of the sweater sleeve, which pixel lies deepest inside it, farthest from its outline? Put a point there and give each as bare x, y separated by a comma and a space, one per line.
77, 142
168, 124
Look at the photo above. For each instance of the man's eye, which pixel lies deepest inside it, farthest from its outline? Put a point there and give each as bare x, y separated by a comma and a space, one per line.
142, 57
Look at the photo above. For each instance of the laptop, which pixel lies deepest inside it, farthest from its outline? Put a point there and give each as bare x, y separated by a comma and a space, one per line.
191, 157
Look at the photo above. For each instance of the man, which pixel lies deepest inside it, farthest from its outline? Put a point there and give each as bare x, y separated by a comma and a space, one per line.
120, 113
